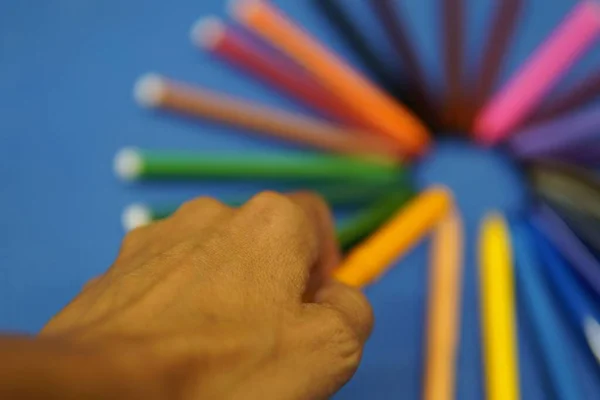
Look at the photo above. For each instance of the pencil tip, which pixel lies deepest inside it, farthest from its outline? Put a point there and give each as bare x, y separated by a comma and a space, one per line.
592, 334
135, 216
207, 32
128, 164
149, 90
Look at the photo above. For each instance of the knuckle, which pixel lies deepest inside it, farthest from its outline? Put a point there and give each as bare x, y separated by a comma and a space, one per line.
279, 212
200, 204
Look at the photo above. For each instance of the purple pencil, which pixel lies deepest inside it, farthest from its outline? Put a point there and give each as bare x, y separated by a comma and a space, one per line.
586, 155
547, 138
566, 242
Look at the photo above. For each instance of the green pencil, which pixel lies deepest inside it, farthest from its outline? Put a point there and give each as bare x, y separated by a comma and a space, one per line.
133, 165
337, 196
372, 217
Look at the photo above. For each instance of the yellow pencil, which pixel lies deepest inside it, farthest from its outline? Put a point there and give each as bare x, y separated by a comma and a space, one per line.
371, 259
498, 308
443, 317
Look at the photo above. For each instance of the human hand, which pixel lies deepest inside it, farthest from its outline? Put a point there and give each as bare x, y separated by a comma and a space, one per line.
222, 303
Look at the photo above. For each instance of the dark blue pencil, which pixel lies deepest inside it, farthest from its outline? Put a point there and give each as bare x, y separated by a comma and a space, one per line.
537, 300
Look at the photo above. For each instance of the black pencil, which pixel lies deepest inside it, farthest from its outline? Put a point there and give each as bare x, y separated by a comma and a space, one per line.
338, 18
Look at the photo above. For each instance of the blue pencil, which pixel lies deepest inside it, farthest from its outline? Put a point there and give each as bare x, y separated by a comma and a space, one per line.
577, 302
539, 309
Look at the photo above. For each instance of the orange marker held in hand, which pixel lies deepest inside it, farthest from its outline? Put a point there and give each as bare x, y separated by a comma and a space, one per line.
410, 225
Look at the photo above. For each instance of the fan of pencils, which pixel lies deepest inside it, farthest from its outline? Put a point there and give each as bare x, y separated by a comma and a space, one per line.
365, 131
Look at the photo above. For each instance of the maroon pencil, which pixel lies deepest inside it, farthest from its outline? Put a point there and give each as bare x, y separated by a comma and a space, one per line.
270, 67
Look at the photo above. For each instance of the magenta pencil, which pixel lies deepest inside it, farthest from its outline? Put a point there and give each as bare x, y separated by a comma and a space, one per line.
527, 88
276, 70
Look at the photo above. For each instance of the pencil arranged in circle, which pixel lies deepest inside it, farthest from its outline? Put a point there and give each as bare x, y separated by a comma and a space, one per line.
498, 318
580, 258
537, 299
370, 218
157, 92
134, 165
277, 71
395, 238
443, 315
502, 30
586, 227
337, 17
581, 93
337, 196
550, 137
510, 107
573, 187
580, 307
416, 81
454, 103
378, 109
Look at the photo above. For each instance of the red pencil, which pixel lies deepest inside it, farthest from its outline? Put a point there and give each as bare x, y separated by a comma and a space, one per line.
276, 70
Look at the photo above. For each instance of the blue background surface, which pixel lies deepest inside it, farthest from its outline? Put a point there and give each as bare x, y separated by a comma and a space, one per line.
67, 68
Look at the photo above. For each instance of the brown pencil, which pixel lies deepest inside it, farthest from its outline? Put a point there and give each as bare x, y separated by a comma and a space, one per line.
157, 92
495, 50
454, 107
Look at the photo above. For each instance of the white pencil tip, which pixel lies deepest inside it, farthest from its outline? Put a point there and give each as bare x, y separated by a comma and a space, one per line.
128, 164
207, 32
136, 216
592, 333
149, 90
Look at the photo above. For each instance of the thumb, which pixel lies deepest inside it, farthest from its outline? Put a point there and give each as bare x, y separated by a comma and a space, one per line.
350, 304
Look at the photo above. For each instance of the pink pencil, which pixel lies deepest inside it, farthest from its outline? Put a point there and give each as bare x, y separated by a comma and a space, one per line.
279, 72
528, 86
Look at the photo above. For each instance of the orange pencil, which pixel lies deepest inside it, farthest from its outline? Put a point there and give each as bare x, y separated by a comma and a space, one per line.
443, 318
373, 105
371, 259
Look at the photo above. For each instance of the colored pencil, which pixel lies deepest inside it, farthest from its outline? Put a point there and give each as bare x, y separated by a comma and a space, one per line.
378, 109
586, 227
579, 306
567, 185
416, 85
337, 196
568, 245
339, 19
218, 38
454, 105
580, 94
548, 138
443, 315
369, 219
533, 81
498, 308
134, 165
157, 92
585, 155
538, 303
503, 24
394, 239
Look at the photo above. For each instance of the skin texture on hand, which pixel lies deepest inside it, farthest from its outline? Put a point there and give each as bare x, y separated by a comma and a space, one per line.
223, 303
